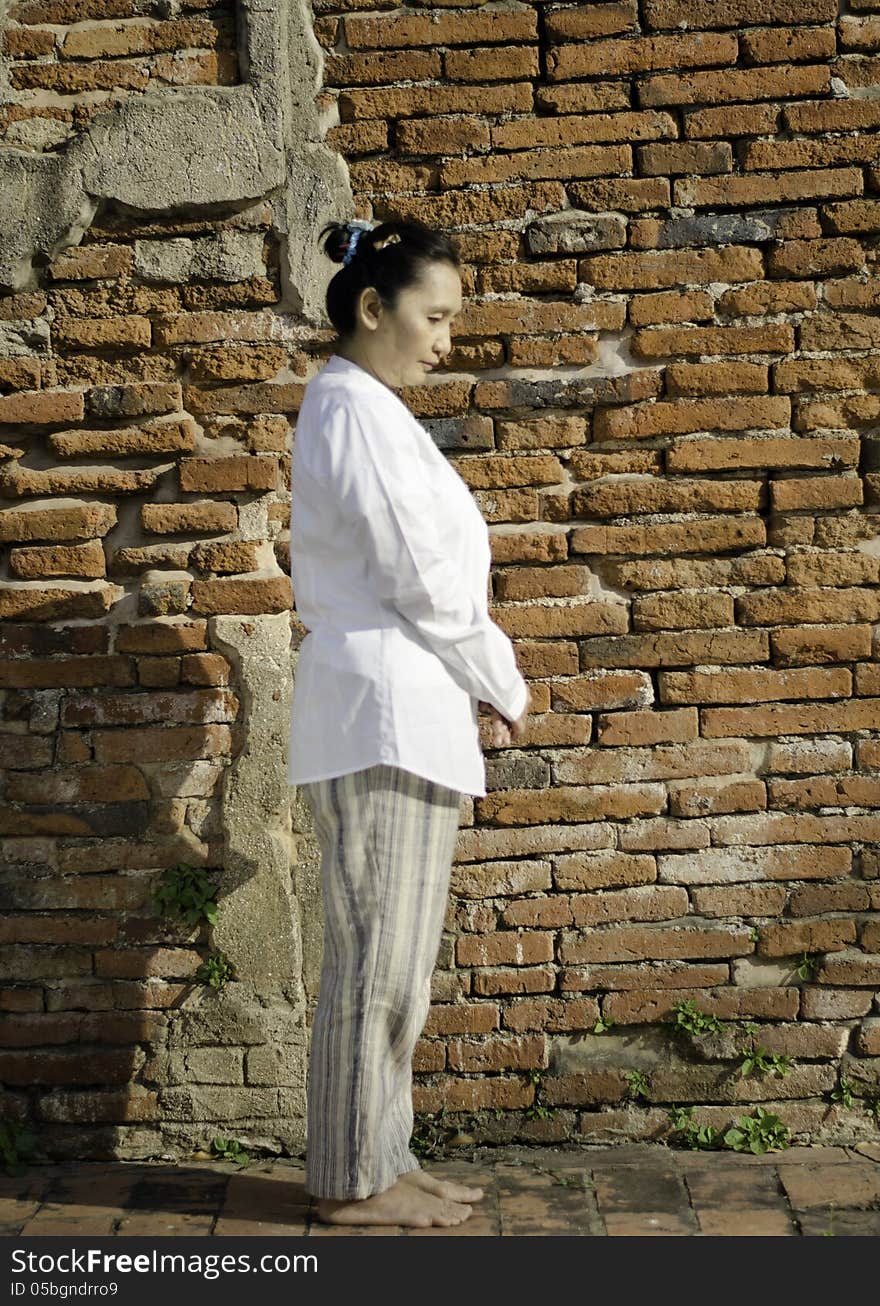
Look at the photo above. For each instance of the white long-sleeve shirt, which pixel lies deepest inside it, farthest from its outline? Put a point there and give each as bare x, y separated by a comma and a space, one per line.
390, 560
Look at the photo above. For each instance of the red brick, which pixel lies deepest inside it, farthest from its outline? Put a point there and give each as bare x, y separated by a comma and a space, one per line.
788, 44
768, 187
86, 560
706, 13
462, 1018
496, 1053
610, 57
657, 268
684, 158
378, 67
671, 306
506, 63
254, 595
661, 342
198, 705
389, 102
790, 719
768, 83
41, 407
716, 378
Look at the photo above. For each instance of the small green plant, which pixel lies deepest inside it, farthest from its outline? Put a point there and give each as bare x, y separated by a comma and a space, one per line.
756, 1058
603, 1024
216, 970
17, 1145
761, 1132
429, 1133
230, 1149
807, 964
754, 934
843, 1093
694, 1136
187, 892
638, 1085
872, 1106
538, 1110
580, 1179
687, 1016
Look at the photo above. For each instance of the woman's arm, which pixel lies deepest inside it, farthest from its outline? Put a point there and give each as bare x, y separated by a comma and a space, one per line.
380, 484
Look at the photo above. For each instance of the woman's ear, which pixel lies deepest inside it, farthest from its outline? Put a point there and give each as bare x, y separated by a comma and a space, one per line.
369, 308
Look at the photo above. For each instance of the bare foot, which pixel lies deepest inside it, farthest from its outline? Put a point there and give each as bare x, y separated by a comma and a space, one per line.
442, 1187
403, 1203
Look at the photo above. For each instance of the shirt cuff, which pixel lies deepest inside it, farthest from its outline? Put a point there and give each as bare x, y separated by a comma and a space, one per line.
518, 702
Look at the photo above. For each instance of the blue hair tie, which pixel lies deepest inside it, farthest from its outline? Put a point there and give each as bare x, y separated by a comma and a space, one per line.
359, 228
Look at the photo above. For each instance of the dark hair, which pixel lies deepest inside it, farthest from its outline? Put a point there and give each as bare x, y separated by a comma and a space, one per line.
389, 257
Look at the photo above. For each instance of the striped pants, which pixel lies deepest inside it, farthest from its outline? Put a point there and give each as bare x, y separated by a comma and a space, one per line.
387, 839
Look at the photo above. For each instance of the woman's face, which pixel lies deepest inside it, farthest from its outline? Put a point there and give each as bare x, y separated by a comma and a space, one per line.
404, 343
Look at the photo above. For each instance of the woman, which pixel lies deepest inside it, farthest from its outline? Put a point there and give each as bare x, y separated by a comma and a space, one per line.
389, 560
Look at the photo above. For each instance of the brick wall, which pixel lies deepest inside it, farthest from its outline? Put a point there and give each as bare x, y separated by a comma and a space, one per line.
664, 393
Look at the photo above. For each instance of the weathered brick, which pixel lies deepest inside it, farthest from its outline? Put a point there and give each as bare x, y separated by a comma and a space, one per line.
670, 306
785, 452
64, 673
128, 38
175, 518
71, 481
162, 744
58, 560
768, 297
657, 268
41, 407
582, 129
382, 66
687, 415
630, 195
639, 54
698, 573
489, 63
706, 13
850, 967
816, 492
198, 705
707, 535
54, 603
716, 378
650, 1006
73, 521
768, 188
496, 1053
733, 120
768, 83
684, 158
755, 685
255, 595
788, 44
407, 101
164, 437
658, 342
490, 981
90, 261
808, 605
789, 719
506, 947
816, 258
813, 645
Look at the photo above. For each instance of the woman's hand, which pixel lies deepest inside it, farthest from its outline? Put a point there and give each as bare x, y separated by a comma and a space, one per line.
503, 732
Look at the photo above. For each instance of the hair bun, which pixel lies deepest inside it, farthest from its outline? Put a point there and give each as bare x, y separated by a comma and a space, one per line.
339, 244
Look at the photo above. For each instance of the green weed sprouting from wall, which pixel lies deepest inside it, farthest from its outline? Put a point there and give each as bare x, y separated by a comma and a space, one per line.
187, 892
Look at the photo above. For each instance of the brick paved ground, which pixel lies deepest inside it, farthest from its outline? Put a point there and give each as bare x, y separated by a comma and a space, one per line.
593, 1192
